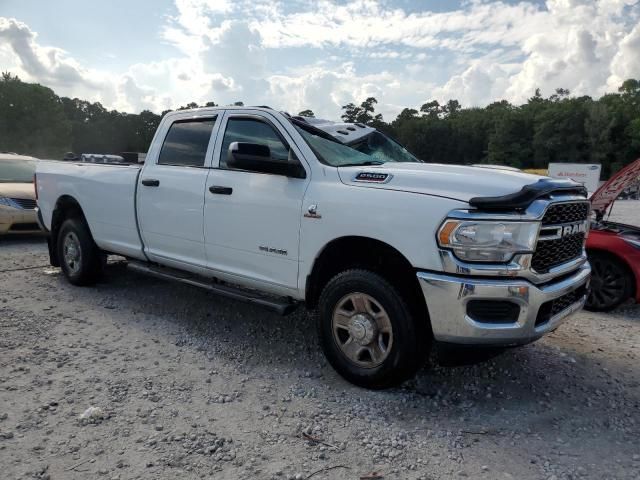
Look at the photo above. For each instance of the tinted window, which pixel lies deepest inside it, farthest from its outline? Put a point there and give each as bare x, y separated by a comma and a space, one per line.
248, 130
186, 143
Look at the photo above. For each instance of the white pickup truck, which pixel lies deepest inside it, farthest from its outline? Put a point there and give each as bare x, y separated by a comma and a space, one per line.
277, 210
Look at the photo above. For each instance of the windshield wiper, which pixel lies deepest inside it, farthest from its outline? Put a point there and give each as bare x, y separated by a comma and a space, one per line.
362, 164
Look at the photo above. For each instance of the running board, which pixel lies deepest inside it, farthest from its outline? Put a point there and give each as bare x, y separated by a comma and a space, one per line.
280, 305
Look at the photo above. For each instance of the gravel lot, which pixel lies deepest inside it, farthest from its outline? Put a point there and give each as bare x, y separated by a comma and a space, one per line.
185, 385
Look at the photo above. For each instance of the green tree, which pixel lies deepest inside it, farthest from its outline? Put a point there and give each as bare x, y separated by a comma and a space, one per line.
189, 106
510, 142
406, 114
431, 109
560, 133
32, 119
633, 132
306, 113
451, 108
364, 113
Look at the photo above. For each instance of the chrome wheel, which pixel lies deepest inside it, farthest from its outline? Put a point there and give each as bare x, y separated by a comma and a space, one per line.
362, 330
71, 252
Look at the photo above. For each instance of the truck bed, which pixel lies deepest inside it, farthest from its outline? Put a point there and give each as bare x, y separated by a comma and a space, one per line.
107, 195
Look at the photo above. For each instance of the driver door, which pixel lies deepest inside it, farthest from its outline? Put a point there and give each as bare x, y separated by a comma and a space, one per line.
252, 220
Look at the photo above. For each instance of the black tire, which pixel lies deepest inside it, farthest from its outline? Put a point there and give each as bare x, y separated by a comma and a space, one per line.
611, 282
88, 266
405, 354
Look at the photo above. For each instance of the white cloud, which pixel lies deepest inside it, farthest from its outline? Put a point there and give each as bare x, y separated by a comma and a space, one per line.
476, 82
367, 23
49, 65
574, 51
325, 91
626, 62
53, 67
334, 53
156, 86
504, 50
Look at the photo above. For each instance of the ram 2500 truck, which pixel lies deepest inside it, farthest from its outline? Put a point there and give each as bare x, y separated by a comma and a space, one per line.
393, 253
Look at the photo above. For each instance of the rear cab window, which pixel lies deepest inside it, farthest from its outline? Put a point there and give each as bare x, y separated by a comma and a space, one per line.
186, 142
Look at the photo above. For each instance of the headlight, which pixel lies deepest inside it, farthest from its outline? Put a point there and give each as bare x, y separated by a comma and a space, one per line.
483, 241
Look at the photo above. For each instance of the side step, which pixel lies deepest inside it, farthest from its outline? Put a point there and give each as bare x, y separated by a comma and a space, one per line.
280, 305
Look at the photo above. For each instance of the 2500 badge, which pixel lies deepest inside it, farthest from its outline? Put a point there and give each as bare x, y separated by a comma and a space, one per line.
279, 251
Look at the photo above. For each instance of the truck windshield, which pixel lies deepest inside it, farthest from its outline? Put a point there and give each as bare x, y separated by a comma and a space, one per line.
17, 171
374, 149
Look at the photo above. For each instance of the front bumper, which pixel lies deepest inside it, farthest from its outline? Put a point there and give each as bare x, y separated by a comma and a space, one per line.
17, 221
447, 297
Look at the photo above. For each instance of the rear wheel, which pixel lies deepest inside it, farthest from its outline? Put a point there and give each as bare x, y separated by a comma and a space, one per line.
367, 331
611, 282
80, 259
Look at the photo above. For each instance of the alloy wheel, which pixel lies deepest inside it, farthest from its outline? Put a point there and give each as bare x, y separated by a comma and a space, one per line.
72, 253
362, 330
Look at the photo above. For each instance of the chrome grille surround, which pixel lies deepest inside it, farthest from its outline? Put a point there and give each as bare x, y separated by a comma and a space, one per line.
555, 248
521, 265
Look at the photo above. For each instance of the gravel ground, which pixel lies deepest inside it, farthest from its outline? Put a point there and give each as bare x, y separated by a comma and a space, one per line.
140, 378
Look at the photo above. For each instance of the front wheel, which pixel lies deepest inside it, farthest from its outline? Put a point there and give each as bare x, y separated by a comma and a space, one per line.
367, 331
611, 282
80, 258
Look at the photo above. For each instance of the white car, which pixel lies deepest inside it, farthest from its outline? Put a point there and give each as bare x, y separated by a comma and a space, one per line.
394, 253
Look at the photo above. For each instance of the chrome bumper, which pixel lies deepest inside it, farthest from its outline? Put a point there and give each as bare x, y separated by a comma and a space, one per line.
11, 217
447, 297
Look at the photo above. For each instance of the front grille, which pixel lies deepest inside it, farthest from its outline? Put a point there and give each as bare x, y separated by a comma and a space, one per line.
26, 203
551, 308
566, 213
552, 253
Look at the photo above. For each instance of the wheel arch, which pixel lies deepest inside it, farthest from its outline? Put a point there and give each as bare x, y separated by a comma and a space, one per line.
66, 207
349, 252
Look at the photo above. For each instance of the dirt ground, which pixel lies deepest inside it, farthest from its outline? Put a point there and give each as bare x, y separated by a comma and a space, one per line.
186, 385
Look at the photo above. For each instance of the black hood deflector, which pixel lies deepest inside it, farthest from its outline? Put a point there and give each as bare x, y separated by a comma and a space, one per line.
522, 199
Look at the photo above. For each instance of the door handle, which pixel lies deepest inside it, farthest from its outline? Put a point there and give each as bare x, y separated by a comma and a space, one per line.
217, 189
150, 182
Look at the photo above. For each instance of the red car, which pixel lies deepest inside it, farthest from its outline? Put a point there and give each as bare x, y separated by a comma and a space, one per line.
613, 248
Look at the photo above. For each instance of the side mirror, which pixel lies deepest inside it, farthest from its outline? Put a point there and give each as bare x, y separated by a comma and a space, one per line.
255, 157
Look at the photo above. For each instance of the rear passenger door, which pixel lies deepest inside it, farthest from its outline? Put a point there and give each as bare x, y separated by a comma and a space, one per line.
171, 194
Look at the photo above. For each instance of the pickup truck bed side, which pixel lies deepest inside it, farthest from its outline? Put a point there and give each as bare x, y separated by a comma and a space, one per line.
106, 196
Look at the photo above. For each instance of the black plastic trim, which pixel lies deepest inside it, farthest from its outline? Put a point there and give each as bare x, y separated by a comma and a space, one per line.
217, 189
522, 199
493, 311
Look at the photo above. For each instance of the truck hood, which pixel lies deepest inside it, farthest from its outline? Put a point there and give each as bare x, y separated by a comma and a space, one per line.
452, 181
604, 196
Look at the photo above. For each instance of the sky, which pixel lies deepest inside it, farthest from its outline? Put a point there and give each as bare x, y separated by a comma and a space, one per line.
133, 55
